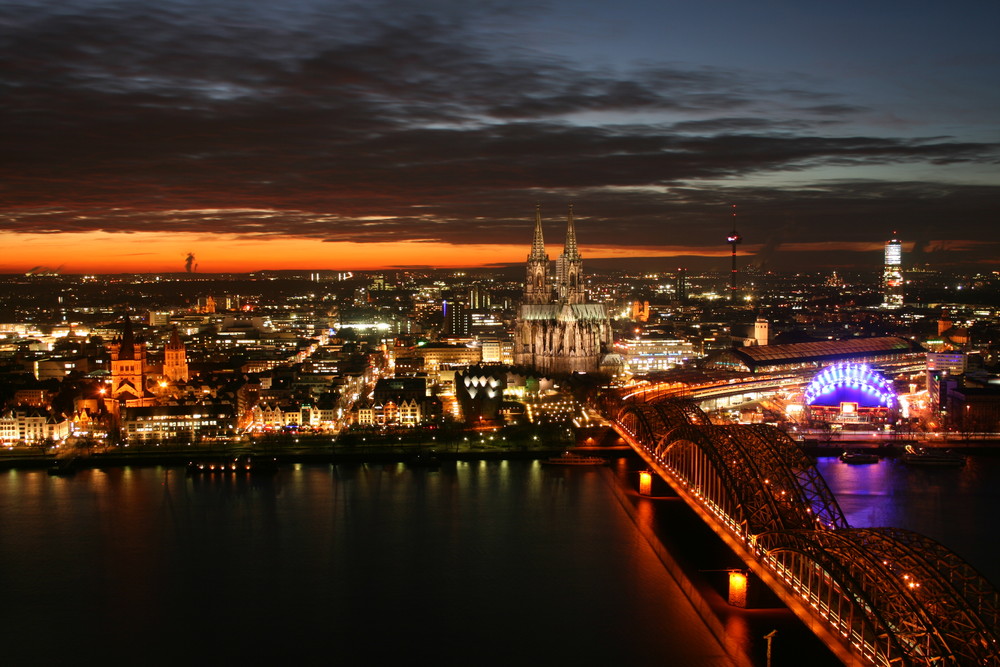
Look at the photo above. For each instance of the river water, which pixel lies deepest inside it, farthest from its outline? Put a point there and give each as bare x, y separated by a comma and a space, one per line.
955, 506
480, 563
483, 563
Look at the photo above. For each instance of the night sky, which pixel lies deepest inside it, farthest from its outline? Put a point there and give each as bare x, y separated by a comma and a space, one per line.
339, 135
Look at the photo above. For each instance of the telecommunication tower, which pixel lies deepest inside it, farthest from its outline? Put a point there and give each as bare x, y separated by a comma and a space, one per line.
734, 240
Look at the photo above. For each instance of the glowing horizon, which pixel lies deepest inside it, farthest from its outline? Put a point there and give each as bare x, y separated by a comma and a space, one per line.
165, 252
100, 252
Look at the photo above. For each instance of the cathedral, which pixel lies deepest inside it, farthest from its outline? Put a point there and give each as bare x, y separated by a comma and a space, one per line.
557, 330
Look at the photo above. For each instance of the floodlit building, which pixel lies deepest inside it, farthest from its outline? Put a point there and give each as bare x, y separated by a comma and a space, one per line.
647, 355
32, 425
175, 367
178, 422
557, 330
128, 370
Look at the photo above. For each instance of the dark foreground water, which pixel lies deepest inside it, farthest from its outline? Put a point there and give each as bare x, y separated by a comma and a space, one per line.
475, 564
492, 563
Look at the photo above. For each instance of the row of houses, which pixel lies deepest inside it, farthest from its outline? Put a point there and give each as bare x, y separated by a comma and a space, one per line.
33, 425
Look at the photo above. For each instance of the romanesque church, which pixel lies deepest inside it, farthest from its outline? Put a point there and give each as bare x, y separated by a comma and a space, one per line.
557, 330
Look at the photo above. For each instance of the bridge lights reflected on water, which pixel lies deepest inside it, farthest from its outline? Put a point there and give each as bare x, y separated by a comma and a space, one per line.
738, 588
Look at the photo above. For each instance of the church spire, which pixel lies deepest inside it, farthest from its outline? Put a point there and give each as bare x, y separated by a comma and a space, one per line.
538, 244
537, 289
569, 267
570, 251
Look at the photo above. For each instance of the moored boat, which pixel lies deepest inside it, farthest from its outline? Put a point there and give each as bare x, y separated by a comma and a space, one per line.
240, 464
920, 456
855, 456
65, 467
571, 459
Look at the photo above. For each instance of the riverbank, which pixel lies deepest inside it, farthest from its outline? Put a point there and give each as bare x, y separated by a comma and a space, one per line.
897, 447
179, 456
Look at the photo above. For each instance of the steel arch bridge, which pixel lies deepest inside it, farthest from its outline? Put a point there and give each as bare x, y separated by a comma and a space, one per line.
875, 596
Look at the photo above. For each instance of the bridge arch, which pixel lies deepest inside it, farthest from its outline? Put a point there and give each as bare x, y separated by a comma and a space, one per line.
759, 474
894, 594
897, 597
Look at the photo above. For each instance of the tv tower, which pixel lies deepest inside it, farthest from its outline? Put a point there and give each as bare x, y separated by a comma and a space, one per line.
734, 240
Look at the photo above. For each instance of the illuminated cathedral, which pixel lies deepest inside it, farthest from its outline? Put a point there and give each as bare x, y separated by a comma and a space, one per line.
557, 330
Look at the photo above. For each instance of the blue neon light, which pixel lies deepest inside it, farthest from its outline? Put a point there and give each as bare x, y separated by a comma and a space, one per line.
850, 382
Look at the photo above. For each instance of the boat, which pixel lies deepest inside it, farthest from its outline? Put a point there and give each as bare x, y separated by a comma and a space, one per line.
65, 467
424, 459
238, 465
854, 456
919, 456
571, 459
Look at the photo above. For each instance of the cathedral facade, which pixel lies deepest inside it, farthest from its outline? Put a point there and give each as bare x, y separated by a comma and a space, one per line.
557, 331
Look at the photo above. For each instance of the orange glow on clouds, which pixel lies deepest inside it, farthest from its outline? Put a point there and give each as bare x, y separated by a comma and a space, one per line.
151, 252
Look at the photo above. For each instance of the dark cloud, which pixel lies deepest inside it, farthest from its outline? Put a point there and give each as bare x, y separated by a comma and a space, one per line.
369, 122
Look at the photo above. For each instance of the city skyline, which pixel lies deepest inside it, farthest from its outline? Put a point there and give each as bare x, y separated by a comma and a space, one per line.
359, 136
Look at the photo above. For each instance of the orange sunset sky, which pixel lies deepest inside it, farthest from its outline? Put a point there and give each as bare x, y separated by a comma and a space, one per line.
162, 252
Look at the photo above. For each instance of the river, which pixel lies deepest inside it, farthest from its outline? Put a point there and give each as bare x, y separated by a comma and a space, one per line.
483, 563
473, 563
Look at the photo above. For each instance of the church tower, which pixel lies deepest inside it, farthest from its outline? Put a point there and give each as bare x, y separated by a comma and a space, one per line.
175, 366
569, 267
536, 284
128, 369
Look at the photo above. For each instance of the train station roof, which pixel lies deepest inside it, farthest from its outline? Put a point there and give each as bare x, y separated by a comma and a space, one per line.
760, 357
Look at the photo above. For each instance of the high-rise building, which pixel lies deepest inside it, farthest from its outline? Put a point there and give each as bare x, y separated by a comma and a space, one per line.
892, 274
479, 298
681, 285
557, 330
458, 320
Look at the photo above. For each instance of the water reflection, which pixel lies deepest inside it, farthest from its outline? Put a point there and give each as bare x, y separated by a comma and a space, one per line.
955, 506
481, 562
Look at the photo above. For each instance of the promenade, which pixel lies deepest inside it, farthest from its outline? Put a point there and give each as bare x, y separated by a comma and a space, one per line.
299, 449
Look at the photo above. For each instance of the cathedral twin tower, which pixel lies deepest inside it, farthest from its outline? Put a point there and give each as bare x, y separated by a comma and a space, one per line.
557, 330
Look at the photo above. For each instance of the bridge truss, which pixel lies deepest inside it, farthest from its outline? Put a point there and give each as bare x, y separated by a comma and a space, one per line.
876, 596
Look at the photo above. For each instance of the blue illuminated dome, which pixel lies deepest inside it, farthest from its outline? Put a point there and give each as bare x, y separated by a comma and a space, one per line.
850, 383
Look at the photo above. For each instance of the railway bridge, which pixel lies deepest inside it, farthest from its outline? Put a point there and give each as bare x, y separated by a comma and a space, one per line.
875, 596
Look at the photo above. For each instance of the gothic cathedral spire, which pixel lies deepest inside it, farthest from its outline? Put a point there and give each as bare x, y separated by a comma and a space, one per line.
570, 250
538, 243
569, 267
536, 284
